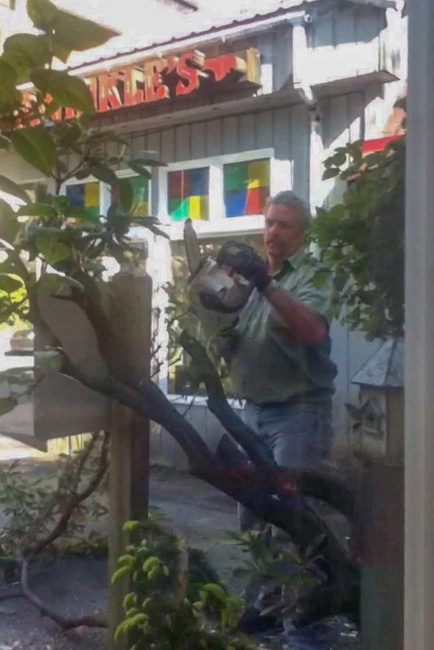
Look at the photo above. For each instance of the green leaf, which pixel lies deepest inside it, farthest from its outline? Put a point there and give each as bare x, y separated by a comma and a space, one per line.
130, 525
8, 186
104, 174
216, 590
67, 134
141, 171
64, 89
7, 404
320, 277
42, 13
56, 284
150, 563
59, 51
84, 215
36, 146
10, 97
77, 33
51, 249
9, 225
330, 173
9, 283
120, 573
26, 51
126, 194
37, 210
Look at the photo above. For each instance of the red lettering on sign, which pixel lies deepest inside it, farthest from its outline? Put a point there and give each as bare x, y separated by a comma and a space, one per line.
188, 74
174, 75
221, 66
108, 92
154, 87
133, 94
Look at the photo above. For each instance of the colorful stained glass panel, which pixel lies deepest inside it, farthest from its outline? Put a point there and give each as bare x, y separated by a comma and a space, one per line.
84, 195
140, 187
188, 192
246, 187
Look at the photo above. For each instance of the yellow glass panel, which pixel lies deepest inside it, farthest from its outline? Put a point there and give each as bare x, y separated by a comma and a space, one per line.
91, 194
194, 207
258, 174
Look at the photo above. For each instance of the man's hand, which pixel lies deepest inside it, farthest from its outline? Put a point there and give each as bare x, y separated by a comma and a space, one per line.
245, 261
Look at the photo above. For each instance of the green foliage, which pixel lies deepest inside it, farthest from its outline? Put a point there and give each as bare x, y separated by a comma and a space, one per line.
68, 242
164, 608
362, 238
288, 574
33, 505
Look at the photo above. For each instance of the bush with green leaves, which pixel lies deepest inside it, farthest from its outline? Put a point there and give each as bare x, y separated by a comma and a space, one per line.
165, 608
362, 238
52, 512
67, 242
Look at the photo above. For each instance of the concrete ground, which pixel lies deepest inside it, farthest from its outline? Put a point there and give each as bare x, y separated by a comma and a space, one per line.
77, 585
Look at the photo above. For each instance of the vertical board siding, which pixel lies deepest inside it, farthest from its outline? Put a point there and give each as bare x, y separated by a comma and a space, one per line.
282, 57
167, 145
182, 142
198, 144
345, 41
300, 147
282, 133
213, 137
264, 130
230, 135
246, 131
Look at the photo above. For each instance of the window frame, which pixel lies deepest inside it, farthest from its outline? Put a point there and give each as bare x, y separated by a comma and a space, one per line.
216, 225
105, 188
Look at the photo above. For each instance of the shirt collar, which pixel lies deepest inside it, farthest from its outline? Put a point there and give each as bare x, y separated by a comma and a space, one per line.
292, 262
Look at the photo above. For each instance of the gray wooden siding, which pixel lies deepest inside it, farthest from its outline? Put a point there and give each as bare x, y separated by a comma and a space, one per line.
285, 129
346, 40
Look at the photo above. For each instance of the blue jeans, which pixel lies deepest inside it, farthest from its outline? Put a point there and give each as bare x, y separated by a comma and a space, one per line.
297, 435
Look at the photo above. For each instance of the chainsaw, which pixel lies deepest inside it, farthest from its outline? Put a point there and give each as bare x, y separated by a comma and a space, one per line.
216, 294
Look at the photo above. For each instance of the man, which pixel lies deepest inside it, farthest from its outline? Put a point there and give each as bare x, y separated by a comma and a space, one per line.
279, 360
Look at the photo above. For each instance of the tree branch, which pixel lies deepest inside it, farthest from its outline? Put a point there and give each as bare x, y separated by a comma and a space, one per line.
76, 498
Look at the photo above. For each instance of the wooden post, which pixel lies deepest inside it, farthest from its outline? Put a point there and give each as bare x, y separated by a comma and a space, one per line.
419, 340
130, 304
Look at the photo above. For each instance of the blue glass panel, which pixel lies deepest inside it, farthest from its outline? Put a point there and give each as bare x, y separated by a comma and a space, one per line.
198, 181
235, 203
75, 194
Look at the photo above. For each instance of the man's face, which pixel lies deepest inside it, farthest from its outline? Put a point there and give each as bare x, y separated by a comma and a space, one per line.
283, 235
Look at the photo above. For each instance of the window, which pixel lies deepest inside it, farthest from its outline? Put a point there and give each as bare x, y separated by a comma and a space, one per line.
188, 192
85, 195
223, 194
140, 188
246, 187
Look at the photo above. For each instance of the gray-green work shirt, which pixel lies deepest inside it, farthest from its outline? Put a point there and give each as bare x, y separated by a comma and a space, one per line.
266, 365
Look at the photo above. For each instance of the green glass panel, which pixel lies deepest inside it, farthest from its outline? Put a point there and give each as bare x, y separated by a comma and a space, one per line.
178, 209
235, 176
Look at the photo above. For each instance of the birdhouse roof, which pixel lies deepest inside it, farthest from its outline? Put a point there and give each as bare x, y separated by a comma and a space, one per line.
385, 369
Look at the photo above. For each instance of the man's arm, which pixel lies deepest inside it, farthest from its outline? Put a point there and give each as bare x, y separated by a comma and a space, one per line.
304, 324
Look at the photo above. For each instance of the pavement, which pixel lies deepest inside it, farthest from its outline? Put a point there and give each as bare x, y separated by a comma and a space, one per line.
78, 585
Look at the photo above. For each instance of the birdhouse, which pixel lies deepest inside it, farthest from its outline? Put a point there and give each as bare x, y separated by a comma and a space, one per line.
379, 418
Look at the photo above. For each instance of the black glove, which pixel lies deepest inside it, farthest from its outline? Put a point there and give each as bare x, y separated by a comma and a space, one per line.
245, 261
